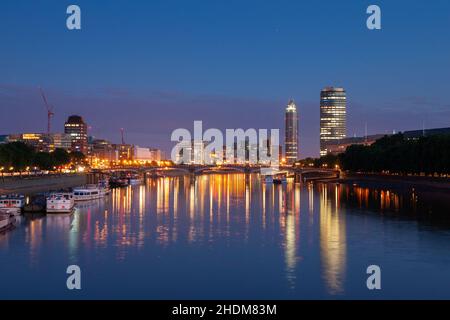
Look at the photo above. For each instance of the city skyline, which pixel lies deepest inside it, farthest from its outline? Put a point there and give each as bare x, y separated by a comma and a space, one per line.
166, 146
232, 74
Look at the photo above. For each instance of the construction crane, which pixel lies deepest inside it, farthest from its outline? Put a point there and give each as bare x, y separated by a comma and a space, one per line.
50, 112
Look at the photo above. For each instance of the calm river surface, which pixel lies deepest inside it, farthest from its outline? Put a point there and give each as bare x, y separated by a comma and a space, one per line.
232, 237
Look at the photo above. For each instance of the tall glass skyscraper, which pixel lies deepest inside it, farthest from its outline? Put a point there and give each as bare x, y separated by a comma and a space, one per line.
291, 133
333, 116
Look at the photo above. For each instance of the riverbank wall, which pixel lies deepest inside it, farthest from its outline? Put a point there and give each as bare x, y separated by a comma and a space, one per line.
380, 180
31, 185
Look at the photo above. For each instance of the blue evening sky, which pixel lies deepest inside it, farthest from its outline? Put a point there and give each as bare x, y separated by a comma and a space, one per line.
154, 66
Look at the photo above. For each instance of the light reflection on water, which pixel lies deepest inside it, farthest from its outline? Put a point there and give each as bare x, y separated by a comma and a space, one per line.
231, 236
332, 241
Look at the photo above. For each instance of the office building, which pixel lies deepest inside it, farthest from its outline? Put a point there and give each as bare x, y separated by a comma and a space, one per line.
333, 116
60, 141
103, 150
291, 133
146, 154
77, 129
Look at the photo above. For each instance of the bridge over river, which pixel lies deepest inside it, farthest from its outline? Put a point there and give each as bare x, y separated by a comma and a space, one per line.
300, 174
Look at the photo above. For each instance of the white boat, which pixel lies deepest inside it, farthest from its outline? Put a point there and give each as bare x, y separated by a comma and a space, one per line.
60, 202
91, 192
11, 211
5, 222
13, 203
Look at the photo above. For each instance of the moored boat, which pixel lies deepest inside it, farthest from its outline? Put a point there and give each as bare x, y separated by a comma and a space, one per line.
118, 182
10, 211
60, 202
12, 203
6, 221
91, 192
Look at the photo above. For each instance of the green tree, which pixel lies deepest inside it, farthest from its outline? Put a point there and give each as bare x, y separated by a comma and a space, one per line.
328, 160
17, 155
398, 154
44, 161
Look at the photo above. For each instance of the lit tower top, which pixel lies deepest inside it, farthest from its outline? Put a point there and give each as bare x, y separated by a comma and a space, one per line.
291, 132
291, 107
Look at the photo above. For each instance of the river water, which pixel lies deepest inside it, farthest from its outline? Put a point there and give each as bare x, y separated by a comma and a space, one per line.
234, 237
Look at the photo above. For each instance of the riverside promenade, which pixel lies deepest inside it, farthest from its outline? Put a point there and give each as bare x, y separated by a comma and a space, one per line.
35, 184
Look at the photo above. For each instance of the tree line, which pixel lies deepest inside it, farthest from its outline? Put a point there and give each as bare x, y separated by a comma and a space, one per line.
395, 154
19, 156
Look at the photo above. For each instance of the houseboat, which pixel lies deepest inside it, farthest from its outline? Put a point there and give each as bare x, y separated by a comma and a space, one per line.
91, 192
12, 204
60, 202
10, 211
5, 221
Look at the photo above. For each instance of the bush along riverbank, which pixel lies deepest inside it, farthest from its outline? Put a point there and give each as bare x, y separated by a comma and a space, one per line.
395, 181
396, 154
